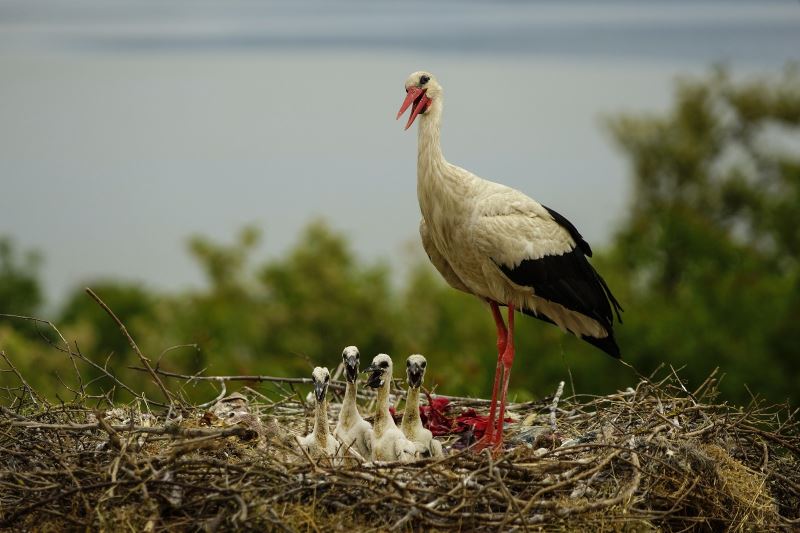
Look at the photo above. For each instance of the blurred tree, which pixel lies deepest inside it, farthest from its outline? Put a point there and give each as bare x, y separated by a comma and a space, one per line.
20, 291
711, 247
224, 319
320, 299
282, 316
83, 321
133, 305
225, 266
454, 330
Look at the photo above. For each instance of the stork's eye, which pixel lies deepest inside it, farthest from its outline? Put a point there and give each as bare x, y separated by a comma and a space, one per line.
424, 79
424, 364
384, 364
327, 379
408, 363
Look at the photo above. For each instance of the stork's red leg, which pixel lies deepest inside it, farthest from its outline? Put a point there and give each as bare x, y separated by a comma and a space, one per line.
502, 334
507, 361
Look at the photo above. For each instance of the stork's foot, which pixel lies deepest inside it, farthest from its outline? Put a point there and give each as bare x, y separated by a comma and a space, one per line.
491, 440
483, 444
488, 443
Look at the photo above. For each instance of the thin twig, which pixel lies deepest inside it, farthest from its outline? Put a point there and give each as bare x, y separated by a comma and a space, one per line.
145, 361
554, 406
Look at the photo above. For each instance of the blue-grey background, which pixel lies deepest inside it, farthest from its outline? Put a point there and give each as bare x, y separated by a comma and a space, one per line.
127, 126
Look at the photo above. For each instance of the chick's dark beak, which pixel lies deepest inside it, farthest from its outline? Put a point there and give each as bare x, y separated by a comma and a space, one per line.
414, 374
319, 391
375, 379
351, 368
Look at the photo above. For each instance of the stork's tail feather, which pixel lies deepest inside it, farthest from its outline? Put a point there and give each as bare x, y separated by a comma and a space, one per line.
608, 344
615, 305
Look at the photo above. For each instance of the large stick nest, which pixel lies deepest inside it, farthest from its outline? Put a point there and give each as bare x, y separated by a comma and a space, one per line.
657, 456
652, 457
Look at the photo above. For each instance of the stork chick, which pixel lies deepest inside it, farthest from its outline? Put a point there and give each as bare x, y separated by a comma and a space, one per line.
388, 442
354, 432
320, 443
412, 428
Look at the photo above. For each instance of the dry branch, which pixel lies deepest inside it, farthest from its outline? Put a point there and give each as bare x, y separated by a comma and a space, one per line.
145, 361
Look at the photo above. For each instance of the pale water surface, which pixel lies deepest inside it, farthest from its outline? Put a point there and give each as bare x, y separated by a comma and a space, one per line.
127, 126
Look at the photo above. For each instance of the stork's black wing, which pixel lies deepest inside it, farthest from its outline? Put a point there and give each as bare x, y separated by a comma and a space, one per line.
570, 280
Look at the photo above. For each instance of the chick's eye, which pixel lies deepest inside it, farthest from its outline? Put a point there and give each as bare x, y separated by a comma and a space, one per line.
424, 364
408, 363
327, 379
424, 79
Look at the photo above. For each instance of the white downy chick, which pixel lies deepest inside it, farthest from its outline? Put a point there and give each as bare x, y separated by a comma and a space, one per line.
352, 430
427, 446
320, 443
388, 442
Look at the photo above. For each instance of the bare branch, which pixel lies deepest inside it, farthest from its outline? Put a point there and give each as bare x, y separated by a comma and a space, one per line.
145, 361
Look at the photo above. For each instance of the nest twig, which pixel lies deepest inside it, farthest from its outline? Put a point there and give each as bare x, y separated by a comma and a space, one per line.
651, 455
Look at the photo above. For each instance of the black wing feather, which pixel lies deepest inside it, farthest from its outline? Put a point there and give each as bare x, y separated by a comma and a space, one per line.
570, 280
562, 221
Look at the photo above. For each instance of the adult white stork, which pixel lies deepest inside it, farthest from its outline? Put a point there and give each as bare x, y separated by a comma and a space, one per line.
498, 244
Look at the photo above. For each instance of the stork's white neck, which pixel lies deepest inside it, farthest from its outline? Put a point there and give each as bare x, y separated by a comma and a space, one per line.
411, 418
383, 418
438, 182
321, 422
429, 149
349, 409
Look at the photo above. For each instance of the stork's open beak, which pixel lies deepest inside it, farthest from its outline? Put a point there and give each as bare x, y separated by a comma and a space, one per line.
374, 381
414, 375
351, 368
319, 391
421, 103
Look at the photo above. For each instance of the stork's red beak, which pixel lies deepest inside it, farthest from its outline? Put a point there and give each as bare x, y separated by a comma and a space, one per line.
421, 103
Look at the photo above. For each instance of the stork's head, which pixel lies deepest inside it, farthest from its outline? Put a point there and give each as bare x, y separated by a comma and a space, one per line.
351, 360
422, 90
321, 378
415, 370
379, 371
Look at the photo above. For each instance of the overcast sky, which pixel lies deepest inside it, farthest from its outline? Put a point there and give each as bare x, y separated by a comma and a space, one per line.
125, 127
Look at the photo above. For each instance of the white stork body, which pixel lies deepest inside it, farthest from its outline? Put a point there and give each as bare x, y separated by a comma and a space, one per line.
471, 228
496, 243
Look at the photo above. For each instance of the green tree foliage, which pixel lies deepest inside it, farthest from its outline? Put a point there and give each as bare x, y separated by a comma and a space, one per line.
711, 247
319, 299
133, 304
282, 316
20, 292
454, 330
224, 319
